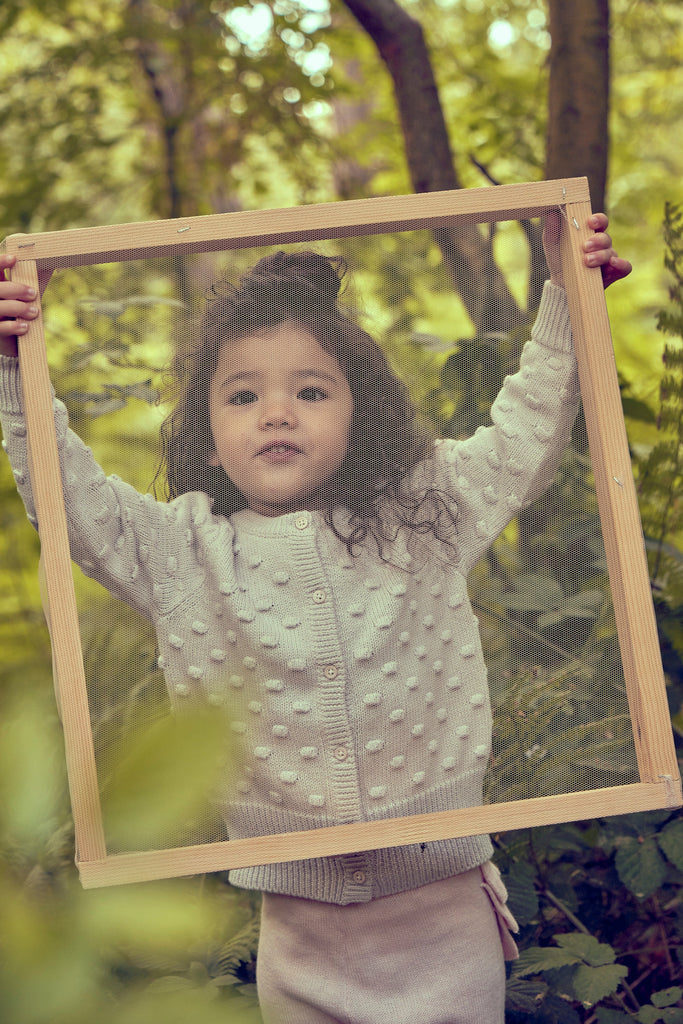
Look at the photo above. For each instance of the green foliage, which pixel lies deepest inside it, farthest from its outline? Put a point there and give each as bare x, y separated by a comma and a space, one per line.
595, 976
660, 471
472, 376
117, 112
550, 737
662, 1008
599, 902
174, 951
588, 940
153, 108
162, 780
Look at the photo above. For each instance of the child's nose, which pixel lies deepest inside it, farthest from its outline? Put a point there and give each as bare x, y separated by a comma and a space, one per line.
278, 413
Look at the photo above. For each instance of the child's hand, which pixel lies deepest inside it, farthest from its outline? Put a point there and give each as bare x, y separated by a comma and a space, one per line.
16, 307
598, 250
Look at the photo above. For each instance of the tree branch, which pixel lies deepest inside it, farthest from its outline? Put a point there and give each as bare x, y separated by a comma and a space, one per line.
169, 103
467, 253
401, 45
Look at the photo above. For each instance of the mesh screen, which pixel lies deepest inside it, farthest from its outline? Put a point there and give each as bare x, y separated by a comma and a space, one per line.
271, 750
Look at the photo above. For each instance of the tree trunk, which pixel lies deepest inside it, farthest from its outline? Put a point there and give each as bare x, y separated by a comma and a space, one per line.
578, 101
468, 252
170, 101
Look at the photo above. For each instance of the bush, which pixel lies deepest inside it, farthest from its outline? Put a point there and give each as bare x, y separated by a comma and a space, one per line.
601, 902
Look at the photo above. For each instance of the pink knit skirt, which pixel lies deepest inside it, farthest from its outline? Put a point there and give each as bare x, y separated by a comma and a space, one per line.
433, 955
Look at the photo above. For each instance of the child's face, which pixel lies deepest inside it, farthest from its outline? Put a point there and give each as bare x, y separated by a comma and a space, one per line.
280, 409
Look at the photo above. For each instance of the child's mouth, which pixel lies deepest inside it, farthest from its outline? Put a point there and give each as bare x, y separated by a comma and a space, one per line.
279, 451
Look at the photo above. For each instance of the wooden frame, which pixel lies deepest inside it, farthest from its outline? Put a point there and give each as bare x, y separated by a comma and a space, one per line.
39, 254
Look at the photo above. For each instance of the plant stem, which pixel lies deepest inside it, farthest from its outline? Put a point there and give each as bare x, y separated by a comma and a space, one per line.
557, 902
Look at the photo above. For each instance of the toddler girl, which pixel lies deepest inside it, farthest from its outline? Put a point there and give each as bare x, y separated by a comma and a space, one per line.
310, 574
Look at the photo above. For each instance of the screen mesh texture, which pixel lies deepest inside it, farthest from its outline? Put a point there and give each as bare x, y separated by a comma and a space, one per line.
559, 716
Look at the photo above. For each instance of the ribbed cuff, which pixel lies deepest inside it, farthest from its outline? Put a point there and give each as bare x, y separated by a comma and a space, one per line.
552, 327
10, 386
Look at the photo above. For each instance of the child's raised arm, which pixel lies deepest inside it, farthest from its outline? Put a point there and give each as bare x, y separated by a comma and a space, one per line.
509, 464
118, 536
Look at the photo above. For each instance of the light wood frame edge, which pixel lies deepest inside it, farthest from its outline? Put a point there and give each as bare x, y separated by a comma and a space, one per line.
57, 588
342, 839
618, 504
609, 451
79, 246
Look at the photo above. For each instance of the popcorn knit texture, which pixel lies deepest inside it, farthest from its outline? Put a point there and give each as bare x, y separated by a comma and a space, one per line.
354, 688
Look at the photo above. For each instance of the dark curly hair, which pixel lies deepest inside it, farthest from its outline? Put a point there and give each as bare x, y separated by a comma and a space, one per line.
385, 440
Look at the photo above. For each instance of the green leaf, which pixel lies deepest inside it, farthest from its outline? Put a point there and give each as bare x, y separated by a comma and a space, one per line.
648, 1015
670, 841
591, 984
561, 980
170, 983
556, 1010
104, 405
164, 779
673, 631
550, 619
522, 895
667, 996
607, 1016
160, 922
240, 948
523, 602
524, 996
536, 592
654, 1014
585, 604
635, 409
587, 947
536, 959
640, 866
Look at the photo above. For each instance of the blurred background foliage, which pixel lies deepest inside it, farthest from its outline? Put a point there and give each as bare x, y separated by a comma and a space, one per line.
123, 110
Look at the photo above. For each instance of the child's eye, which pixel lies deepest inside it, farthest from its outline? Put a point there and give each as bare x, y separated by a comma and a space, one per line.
312, 394
242, 398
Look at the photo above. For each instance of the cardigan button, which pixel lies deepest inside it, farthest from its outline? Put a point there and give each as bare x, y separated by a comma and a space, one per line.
330, 671
359, 877
341, 753
301, 522
319, 596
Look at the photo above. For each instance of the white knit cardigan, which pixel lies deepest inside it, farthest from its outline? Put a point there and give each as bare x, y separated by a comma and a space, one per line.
354, 688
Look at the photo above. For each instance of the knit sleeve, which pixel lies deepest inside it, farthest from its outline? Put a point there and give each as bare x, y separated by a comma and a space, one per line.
506, 466
119, 537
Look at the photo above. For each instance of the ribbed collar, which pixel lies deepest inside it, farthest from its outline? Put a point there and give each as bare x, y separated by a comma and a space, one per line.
289, 525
